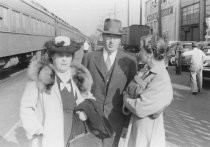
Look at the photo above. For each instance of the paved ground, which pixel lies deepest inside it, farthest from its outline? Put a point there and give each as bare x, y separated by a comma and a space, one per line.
187, 119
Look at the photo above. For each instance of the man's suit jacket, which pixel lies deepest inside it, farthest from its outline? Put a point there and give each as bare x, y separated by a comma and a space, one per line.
108, 94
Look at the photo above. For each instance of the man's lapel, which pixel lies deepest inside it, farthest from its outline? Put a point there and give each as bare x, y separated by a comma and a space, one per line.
100, 64
116, 68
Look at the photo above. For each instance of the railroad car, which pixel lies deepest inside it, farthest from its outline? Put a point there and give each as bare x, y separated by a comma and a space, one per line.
25, 26
132, 36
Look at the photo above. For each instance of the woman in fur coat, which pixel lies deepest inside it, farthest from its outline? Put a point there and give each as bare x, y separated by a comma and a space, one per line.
51, 94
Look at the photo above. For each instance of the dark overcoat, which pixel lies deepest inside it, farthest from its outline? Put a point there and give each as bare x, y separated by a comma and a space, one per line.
108, 93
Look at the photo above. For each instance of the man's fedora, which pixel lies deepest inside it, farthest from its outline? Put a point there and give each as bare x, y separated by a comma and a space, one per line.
62, 44
112, 26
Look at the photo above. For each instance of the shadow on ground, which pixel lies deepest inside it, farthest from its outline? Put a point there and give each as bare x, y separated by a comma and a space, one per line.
17, 139
186, 120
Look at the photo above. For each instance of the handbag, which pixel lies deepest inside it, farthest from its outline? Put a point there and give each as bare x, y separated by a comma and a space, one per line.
96, 123
85, 139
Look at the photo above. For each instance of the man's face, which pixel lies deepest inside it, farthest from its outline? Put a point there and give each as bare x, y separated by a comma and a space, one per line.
111, 42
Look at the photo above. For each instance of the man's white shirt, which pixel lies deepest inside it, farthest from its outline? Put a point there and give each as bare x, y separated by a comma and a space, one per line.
112, 56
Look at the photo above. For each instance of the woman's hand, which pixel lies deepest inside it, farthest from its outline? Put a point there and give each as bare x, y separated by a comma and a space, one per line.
157, 114
142, 84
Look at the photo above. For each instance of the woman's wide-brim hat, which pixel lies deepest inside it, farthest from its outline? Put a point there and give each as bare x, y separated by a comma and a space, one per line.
62, 44
113, 27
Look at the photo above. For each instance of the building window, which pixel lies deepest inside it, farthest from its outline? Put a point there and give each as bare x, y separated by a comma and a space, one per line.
190, 14
207, 8
4, 18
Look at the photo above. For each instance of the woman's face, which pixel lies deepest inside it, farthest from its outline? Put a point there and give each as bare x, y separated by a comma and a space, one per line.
144, 56
62, 61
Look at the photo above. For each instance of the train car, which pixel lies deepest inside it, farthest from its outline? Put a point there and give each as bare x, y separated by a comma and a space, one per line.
132, 36
25, 26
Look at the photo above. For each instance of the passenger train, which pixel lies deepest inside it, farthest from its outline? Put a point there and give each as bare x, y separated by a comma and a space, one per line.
25, 26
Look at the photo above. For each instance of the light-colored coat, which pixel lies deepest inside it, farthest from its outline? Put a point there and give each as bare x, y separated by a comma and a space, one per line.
145, 131
42, 112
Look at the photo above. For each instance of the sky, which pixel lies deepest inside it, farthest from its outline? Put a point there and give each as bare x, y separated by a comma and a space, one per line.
88, 15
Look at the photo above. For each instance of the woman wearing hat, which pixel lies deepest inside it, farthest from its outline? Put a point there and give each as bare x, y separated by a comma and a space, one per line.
147, 95
51, 94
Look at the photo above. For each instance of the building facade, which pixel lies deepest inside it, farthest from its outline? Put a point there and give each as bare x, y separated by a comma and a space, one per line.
194, 14
170, 18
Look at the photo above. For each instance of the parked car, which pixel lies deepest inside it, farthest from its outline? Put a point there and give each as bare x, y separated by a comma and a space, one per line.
174, 48
206, 68
185, 61
171, 53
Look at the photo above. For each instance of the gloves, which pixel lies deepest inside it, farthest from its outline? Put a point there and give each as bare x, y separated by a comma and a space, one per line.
82, 115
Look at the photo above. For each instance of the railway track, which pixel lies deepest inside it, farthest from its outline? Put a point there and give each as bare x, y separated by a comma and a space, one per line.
7, 72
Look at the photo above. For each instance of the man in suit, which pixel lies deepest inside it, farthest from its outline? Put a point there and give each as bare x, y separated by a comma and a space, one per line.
112, 69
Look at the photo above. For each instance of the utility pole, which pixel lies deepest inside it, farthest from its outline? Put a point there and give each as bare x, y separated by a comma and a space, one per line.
159, 18
140, 12
115, 9
128, 13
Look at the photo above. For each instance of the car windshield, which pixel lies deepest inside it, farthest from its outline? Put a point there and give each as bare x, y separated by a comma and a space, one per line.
187, 47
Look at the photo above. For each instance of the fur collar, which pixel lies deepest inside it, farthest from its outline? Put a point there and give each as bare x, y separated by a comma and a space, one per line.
43, 74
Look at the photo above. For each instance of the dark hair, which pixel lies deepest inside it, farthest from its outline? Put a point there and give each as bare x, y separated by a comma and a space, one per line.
50, 54
157, 46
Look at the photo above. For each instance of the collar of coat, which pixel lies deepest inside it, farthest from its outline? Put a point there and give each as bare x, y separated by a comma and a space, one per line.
43, 73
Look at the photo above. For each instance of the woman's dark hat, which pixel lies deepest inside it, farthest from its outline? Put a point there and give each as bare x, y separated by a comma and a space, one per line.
112, 26
62, 44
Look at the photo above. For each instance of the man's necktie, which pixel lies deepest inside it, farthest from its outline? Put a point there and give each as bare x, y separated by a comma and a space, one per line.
108, 62
67, 85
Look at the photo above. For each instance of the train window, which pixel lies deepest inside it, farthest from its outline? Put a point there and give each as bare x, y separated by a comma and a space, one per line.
25, 23
33, 26
15, 21
28, 22
47, 29
51, 30
38, 26
43, 28
1, 18
4, 18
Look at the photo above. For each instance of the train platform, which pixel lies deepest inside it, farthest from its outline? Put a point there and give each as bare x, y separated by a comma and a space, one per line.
187, 120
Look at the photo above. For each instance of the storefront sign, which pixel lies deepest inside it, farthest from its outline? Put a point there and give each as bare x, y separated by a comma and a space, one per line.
164, 12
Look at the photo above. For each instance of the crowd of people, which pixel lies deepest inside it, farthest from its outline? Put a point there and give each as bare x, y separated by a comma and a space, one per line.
102, 102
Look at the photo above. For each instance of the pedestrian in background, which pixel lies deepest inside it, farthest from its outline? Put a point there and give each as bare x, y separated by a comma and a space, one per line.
112, 69
86, 46
178, 65
50, 96
196, 67
149, 93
